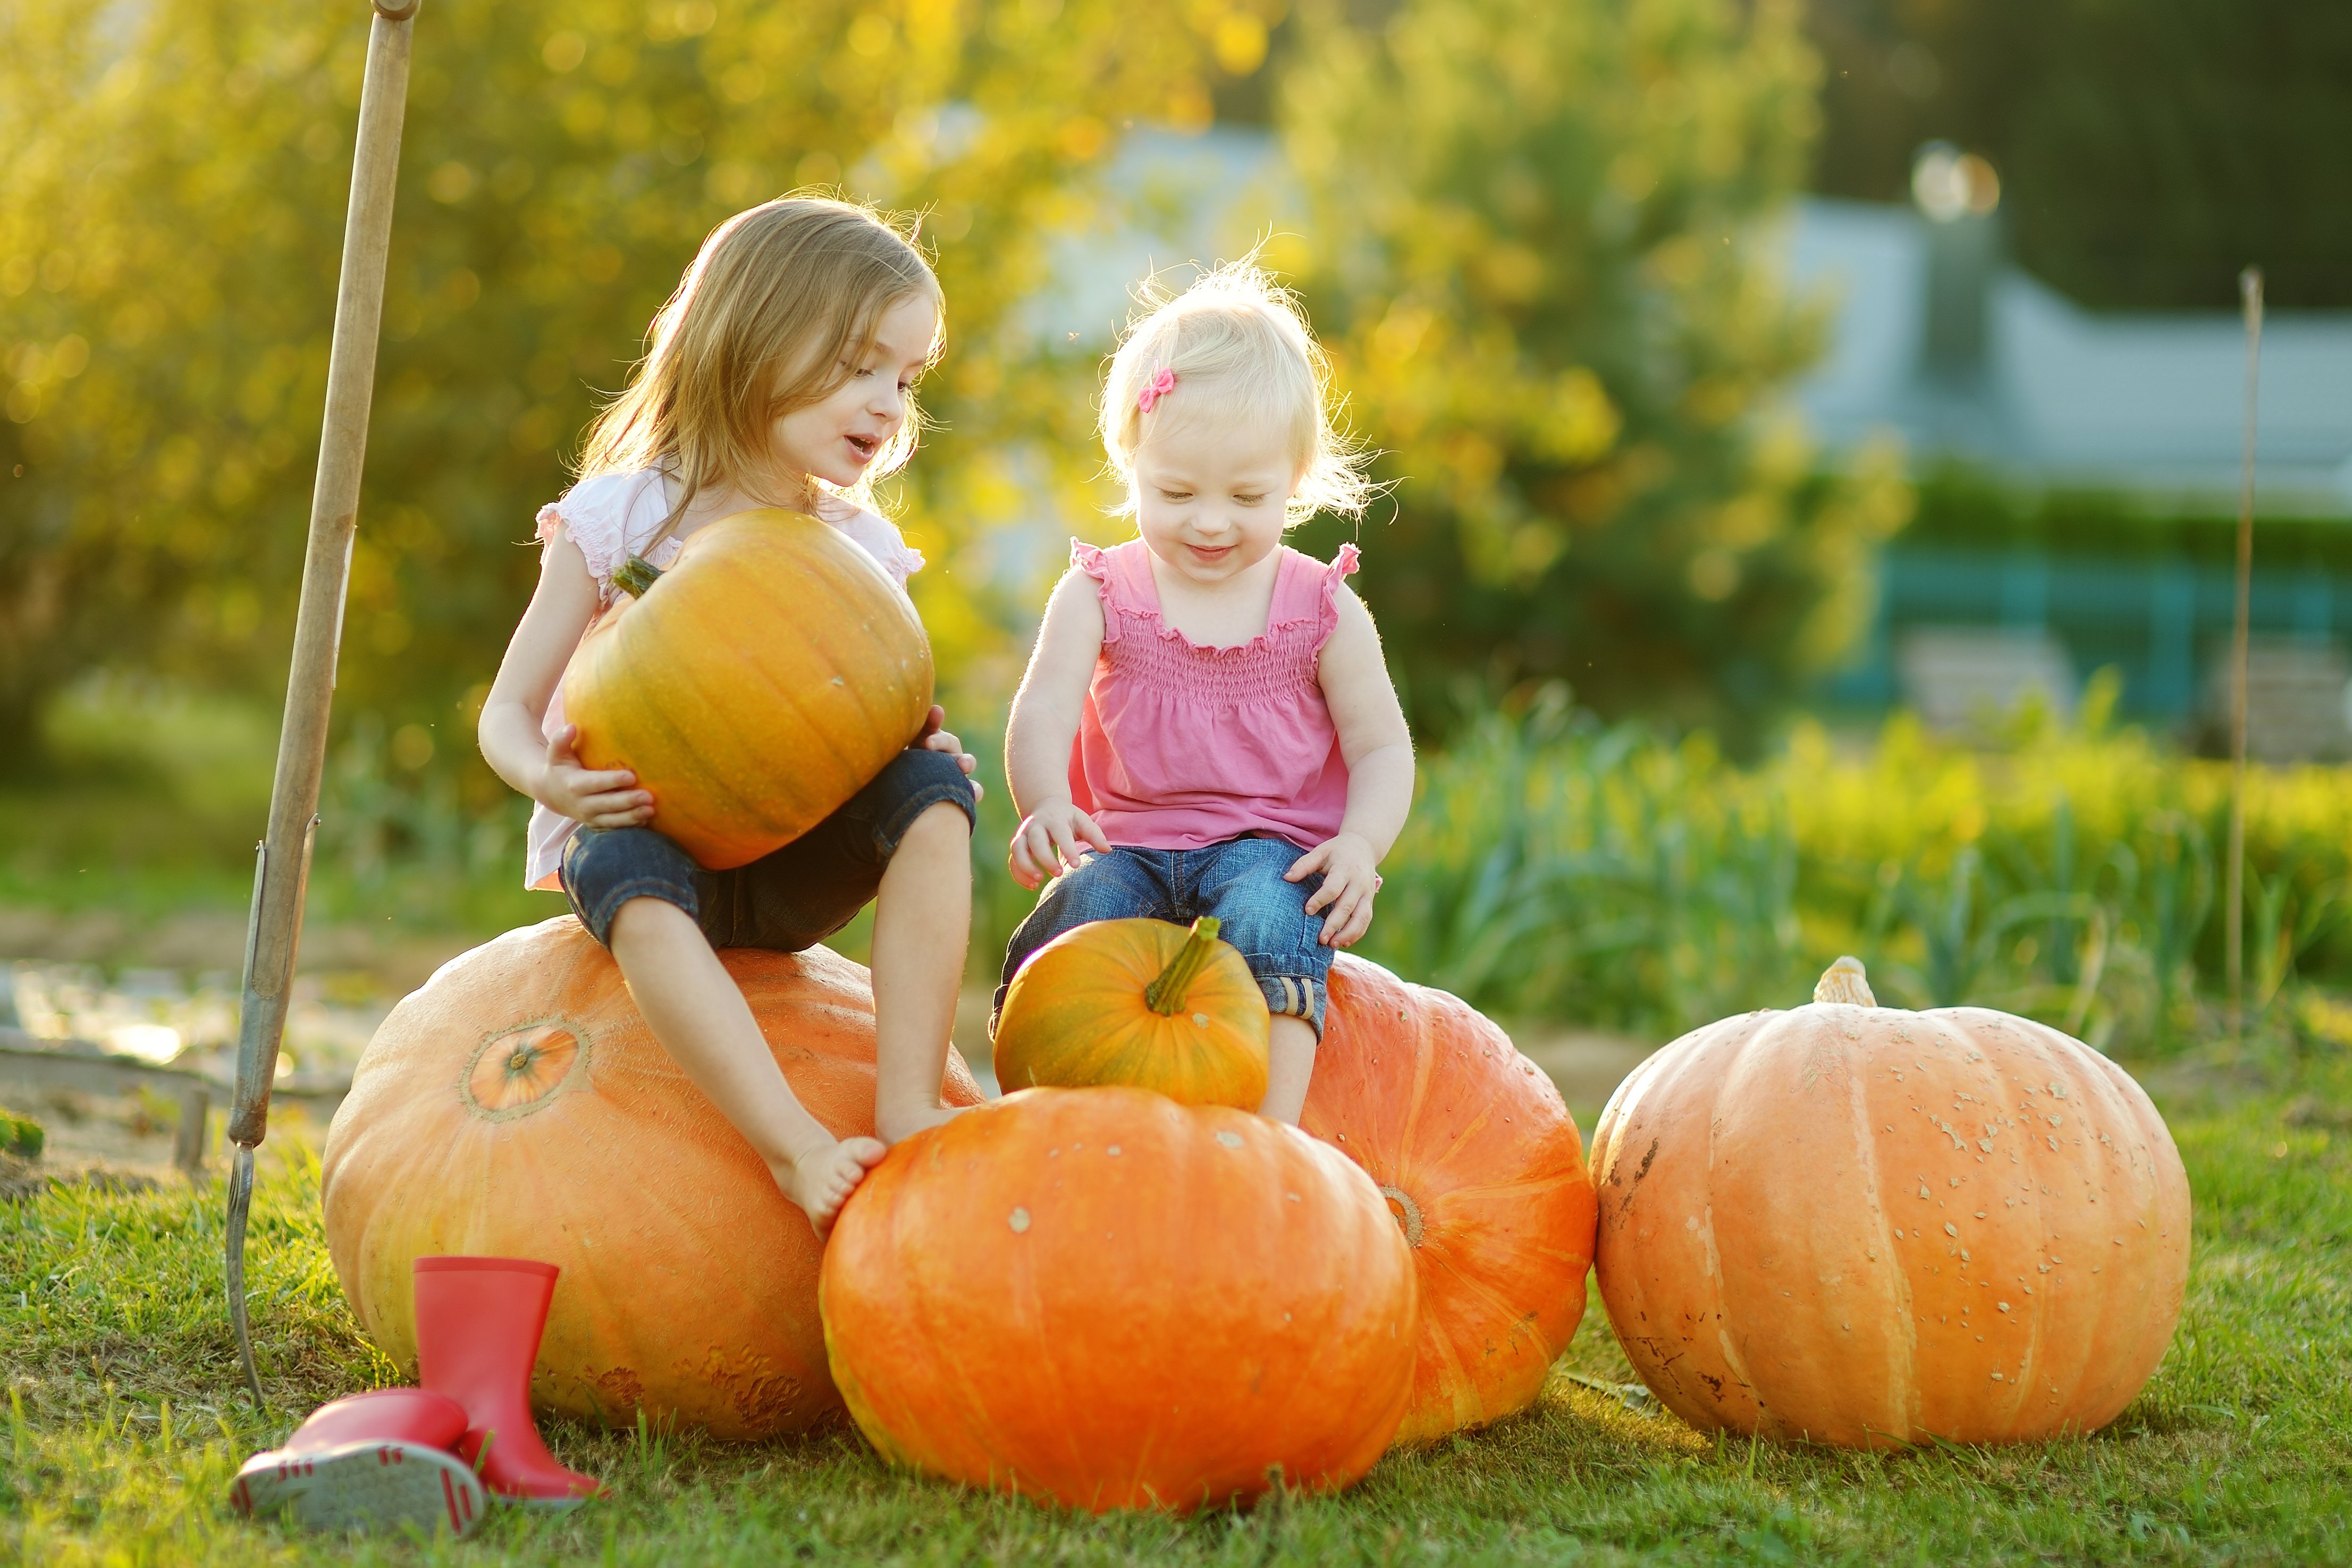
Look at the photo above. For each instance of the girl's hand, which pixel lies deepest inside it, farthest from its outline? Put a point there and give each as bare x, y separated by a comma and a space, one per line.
1050, 838
590, 797
1347, 862
935, 739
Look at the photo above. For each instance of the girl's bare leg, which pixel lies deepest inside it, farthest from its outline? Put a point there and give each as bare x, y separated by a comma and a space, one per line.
1289, 1065
922, 921
700, 1017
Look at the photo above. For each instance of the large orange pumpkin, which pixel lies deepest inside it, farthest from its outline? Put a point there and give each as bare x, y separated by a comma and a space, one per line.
1140, 1001
1481, 1164
1863, 1226
1106, 1297
758, 685
518, 1106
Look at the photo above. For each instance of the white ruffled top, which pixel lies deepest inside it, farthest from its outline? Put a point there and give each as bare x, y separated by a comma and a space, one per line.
611, 518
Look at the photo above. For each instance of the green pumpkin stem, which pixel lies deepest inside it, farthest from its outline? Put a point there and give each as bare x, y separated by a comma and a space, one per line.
634, 575
1166, 994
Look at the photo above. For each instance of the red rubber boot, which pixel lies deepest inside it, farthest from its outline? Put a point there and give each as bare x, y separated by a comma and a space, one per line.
393, 1415
477, 1325
376, 1460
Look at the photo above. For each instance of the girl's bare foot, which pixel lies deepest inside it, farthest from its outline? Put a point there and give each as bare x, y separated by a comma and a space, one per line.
821, 1180
894, 1125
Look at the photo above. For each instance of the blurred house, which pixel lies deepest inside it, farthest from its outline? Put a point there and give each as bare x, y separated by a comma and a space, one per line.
1935, 339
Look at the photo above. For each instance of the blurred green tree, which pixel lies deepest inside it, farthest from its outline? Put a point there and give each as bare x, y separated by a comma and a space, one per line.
1538, 257
170, 211
2147, 152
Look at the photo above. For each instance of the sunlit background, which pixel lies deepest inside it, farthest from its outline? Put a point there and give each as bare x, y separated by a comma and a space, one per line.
1813, 431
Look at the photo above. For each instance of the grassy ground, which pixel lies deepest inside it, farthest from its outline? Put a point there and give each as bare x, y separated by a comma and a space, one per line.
123, 1430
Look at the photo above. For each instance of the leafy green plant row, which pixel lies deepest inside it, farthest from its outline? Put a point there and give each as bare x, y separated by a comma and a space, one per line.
1556, 866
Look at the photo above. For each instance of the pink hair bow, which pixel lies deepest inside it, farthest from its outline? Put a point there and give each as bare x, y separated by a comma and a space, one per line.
1160, 386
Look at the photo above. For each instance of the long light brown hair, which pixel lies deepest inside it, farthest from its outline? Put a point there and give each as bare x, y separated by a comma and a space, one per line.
779, 303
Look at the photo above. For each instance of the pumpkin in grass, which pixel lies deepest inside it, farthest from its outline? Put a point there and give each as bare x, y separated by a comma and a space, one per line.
755, 686
1481, 1164
1140, 1001
1863, 1226
1108, 1299
518, 1106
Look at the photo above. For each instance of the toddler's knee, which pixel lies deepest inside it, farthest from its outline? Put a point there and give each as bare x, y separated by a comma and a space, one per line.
1296, 999
1267, 921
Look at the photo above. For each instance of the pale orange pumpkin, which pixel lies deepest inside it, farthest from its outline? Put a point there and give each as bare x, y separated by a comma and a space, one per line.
1140, 1001
518, 1106
1105, 1297
1481, 1164
1862, 1226
755, 687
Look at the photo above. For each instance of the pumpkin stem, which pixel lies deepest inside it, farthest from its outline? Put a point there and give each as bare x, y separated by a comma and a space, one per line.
1166, 994
1407, 1212
1844, 982
634, 575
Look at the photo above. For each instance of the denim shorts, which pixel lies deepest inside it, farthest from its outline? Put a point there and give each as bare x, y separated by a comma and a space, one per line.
786, 900
1239, 881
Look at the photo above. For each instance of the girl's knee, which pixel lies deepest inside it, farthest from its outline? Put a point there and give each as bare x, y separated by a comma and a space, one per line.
638, 915
920, 795
607, 871
944, 825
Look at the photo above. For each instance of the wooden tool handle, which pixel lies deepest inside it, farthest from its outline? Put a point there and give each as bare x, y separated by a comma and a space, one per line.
284, 859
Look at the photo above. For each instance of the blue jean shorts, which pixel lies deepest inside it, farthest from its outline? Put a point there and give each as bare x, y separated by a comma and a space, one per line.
786, 900
1239, 881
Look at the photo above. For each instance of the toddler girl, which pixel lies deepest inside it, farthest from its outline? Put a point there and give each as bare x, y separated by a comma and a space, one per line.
780, 374
1206, 727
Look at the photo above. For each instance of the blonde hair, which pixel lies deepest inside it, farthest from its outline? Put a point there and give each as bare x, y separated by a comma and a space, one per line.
779, 301
1236, 340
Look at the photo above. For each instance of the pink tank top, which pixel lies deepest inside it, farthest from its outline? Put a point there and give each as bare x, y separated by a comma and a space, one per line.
1182, 746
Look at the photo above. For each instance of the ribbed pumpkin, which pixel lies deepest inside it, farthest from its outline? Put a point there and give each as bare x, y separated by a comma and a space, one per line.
1480, 1162
518, 1106
755, 687
1105, 1297
1863, 1226
1140, 1001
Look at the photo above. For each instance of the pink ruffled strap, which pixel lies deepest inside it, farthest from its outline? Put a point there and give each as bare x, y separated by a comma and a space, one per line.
1342, 567
1111, 569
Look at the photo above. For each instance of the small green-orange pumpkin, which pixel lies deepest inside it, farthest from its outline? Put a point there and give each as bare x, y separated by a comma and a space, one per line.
1140, 1001
761, 682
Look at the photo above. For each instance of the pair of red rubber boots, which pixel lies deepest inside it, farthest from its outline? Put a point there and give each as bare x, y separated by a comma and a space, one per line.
432, 1455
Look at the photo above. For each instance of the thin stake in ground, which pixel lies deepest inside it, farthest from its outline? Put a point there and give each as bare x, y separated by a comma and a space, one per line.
2249, 291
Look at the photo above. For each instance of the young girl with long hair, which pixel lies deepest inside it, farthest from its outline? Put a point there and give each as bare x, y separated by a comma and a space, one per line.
1207, 726
780, 374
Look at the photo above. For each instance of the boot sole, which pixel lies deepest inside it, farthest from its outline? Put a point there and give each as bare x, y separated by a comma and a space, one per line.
363, 1485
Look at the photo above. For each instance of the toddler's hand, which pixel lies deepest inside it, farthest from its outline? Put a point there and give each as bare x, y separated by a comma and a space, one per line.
595, 799
1051, 838
1347, 862
935, 739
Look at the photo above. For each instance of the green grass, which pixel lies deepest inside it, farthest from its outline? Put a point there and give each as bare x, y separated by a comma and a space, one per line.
125, 1428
